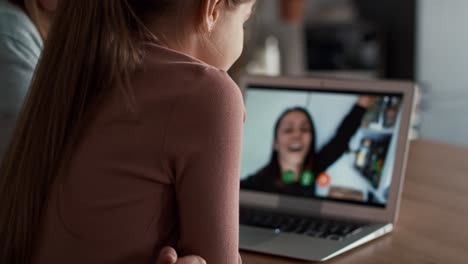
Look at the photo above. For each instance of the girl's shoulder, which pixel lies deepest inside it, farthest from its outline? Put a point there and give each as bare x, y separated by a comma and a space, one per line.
186, 76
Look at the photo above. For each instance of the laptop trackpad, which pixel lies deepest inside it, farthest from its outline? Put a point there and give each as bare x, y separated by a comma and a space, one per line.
286, 245
251, 236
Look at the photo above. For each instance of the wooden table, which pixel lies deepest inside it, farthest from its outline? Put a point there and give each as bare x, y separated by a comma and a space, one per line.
433, 222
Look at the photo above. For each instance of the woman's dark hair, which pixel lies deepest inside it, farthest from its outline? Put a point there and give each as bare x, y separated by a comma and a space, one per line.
263, 178
309, 159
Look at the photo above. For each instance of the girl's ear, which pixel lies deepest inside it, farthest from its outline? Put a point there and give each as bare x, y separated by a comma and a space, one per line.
48, 5
210, 13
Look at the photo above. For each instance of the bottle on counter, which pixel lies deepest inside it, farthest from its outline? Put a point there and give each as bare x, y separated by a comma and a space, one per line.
391, 113
362, 155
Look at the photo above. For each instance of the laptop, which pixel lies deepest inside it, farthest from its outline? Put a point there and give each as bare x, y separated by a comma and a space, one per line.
323, 163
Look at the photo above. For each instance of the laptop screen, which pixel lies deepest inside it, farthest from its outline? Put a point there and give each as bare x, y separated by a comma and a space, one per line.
321, 144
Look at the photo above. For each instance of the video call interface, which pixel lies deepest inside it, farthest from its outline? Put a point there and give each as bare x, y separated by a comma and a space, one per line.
319, 144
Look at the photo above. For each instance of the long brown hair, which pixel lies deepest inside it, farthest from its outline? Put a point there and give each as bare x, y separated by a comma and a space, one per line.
93, 46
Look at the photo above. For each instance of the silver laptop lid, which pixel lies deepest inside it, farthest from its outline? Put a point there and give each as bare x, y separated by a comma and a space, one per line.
324, 146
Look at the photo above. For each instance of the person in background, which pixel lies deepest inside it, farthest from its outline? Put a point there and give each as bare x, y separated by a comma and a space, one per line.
295, 165
130, 137
23, 28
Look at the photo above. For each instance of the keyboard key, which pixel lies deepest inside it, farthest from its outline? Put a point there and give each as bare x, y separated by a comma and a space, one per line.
313, 233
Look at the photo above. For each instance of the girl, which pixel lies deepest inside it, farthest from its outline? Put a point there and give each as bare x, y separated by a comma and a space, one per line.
130, 137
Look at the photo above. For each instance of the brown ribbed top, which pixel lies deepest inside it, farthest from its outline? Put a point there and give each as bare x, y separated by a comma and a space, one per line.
167, 176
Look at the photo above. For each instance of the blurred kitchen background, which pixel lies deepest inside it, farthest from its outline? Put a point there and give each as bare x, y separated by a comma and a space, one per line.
418, 40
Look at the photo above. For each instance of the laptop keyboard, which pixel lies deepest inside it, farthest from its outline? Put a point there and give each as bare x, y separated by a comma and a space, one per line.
314, 227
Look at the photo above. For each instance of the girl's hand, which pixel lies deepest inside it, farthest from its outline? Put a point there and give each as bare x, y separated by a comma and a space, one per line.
168, 255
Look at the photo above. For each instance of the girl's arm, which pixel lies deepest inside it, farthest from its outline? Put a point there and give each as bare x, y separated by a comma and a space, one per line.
204, 145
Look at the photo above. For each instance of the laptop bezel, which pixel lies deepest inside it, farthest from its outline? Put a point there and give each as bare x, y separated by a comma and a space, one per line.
307, 206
